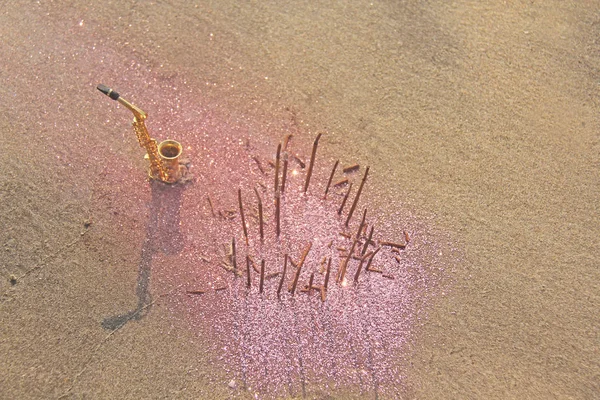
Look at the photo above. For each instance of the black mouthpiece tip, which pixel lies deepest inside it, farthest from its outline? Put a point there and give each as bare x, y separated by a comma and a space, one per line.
108, 91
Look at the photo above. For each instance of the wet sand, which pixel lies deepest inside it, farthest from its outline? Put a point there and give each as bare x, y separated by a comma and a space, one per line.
479, 123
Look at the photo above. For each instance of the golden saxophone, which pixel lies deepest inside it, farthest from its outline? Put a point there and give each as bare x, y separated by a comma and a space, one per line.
164, 157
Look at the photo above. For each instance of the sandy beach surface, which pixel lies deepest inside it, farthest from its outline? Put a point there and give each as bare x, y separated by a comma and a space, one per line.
479, 124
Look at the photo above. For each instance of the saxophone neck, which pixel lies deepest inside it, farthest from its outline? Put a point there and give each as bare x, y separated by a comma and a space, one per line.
137, 112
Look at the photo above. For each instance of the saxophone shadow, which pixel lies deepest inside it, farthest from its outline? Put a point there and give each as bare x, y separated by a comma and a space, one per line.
162, 235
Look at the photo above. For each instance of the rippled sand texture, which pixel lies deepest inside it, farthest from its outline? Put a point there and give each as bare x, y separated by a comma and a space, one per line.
479, 125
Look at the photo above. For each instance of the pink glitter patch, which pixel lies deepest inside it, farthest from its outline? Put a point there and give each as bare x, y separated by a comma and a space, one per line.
357, 340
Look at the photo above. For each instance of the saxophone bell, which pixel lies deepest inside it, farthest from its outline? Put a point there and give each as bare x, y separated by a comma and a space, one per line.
169, 152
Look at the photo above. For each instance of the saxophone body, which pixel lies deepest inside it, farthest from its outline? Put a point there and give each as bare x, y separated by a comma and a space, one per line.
164, 157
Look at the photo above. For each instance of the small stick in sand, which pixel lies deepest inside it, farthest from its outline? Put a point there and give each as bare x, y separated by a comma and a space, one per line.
398, 260
345, 199
301, 262
331, 178
253, 263
368, 240
284, 172
262, 276
344, 266
392, 244
368, 267
302, 164
260, 215
292, 289
286, 140
310, 282
210, 203
362, 260
360, 188
282, 275
362, 223
255, 158
277, 213
346, 235
388, 276
351, 168
242, 215
312, 162
340, 182
195, 292
406, 237
277, 157
218, 288
326, 282
272, 275
249, 278
233, 260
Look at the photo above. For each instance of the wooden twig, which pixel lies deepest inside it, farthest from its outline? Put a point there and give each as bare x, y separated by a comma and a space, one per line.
286, 141
310, 282
351, 168
360, 188
260, 215
277, 157
345, 199
282, 275
312, 162
262, 276
210, 203
284, 172
194, 292
392, 244
292, 289
340, 182
303, 258
248, 277
277, 213
406, 237
253, 263
362, 260
326, 282
362, 223
331, 178
233, 257
242, 215
255, 158
299, 161
344, 266
368, 267
368, 240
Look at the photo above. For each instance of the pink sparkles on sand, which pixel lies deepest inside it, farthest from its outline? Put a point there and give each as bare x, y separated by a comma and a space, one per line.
296, 344
357, 341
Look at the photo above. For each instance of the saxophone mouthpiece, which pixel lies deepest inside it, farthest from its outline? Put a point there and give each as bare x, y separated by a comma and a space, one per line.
108, 91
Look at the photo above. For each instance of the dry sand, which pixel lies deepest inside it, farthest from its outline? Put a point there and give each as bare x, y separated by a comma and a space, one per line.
479, 121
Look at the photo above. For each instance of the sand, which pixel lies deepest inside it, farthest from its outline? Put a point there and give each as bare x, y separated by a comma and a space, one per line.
479, 124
